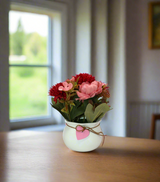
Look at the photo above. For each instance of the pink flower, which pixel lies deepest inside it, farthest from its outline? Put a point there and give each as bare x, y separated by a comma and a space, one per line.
72, 79
102, 83
88, 90
66, 86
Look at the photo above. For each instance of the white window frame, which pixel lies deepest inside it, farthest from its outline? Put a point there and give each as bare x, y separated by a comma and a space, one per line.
59, 32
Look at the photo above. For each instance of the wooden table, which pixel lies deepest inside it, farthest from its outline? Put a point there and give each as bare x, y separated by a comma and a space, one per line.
43, 157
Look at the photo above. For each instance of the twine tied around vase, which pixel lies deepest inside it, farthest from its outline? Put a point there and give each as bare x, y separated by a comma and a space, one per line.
89, 129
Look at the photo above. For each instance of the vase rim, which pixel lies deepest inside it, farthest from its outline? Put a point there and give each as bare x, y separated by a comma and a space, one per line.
82, 123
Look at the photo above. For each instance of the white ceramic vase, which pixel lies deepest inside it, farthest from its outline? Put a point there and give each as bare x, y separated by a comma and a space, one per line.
82, 141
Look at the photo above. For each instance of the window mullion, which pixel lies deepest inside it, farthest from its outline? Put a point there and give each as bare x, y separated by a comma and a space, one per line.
28, 65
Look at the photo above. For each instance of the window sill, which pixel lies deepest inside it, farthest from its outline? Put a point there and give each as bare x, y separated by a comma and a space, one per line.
47, 128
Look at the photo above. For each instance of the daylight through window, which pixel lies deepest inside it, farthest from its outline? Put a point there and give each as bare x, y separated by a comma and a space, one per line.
29, 65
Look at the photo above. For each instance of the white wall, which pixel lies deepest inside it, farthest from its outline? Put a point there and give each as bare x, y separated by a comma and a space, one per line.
83, 36
143, 70
4, 70
91, 38
71, 4
143, 64
99, 42
133, 69
116, 124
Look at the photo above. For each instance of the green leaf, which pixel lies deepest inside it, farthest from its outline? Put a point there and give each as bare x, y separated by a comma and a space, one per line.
95, 115
64, 110
75, 112
59, 106
72, 104
77, 102
78, 111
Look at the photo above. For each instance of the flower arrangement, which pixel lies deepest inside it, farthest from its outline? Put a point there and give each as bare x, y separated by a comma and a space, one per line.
81, 99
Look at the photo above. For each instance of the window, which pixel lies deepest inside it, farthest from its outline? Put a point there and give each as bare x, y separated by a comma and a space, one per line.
35, 63
29, 65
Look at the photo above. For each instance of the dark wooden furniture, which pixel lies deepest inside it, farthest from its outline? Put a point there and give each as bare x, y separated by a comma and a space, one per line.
43, 157
155, 117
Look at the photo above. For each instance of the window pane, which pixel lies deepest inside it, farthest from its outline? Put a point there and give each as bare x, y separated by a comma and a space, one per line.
28, 38
28, 92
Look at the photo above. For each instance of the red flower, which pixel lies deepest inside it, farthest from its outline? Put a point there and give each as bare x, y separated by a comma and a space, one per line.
84, 77
56, 93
